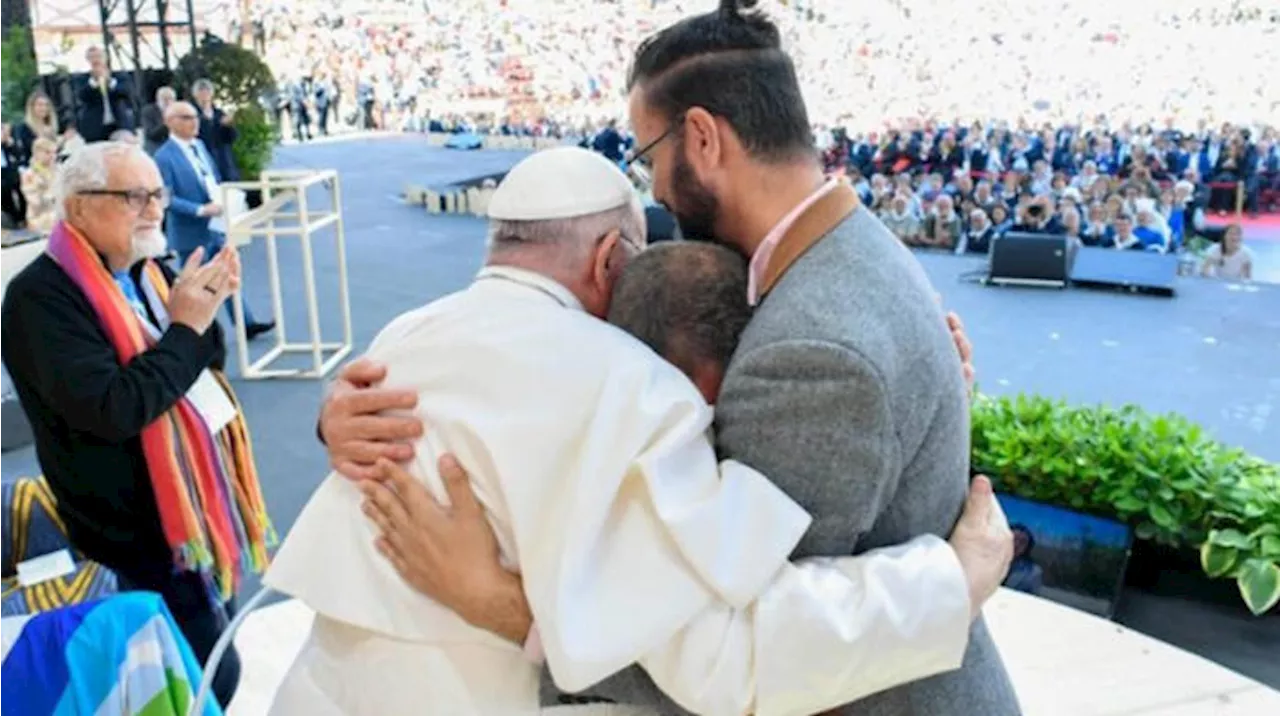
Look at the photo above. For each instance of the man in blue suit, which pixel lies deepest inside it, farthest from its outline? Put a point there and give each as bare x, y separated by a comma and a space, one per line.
191, 176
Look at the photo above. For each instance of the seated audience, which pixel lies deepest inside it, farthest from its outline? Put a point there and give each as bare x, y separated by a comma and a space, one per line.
901, 220
1036, 216
37, 185
1230, 259
1123, 237
1150, 230
1097, 229
942, 227
978, 236
1001, 222
39, 121
1071, 224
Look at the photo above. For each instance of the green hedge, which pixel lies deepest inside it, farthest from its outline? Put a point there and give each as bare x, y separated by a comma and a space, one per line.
1161, 474
19, 73
241, 80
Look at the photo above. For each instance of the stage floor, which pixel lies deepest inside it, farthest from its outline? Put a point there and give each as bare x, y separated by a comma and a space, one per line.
1211, 353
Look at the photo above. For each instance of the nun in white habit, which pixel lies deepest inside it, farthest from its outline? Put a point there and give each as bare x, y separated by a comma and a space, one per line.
591, 456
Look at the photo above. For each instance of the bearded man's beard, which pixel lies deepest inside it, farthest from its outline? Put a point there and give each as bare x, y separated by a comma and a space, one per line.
149, 245
695, 207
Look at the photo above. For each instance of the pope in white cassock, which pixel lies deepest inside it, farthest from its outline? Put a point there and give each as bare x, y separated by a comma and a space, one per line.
591, 456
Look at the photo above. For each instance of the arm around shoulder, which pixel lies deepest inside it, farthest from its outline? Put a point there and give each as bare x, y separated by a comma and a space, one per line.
827, 631
809, 636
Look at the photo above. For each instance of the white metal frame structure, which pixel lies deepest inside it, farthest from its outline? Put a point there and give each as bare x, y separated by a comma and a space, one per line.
283, 190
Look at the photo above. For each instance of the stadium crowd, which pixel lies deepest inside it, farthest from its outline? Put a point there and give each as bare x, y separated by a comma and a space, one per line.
1085, 113
560, 64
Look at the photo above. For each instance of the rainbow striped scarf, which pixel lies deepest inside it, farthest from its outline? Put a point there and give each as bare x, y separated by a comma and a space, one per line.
206, 485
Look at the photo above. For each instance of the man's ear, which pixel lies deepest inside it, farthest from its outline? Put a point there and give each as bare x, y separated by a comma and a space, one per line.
74, 210
703, 141
602, 268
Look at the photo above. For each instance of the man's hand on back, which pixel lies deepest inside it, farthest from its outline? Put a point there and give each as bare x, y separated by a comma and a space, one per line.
447, 553
963, 346
983, 543
353, 427
451, 555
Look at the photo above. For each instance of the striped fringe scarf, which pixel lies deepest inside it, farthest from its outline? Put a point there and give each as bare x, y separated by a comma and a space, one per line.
206, 485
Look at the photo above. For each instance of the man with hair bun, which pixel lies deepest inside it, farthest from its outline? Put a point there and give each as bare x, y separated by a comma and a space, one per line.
844, 387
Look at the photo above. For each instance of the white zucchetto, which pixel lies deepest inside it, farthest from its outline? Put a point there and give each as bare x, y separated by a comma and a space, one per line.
560, 183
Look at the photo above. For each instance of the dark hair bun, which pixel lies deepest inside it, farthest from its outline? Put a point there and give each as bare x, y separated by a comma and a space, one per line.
734, 8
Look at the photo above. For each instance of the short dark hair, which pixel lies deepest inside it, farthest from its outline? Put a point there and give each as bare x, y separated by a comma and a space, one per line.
729, 62
687, 300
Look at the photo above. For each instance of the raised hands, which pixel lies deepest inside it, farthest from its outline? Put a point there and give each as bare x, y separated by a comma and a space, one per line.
200, 289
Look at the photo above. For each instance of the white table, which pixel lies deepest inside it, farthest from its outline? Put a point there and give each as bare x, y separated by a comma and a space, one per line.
1062, 662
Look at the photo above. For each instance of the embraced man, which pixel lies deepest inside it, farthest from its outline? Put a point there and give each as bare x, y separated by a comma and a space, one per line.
844, 387
592, 459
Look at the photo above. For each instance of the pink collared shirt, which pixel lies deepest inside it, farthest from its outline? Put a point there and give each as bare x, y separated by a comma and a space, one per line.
760, 259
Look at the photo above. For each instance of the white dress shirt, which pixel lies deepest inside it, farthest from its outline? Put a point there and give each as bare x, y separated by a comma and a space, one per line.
591, 456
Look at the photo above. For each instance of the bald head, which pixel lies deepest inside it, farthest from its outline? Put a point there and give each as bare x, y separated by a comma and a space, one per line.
182, 120
686, 300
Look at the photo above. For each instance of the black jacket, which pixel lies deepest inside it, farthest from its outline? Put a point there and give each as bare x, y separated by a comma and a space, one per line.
154, 131
87, 412
90, 118
218, 139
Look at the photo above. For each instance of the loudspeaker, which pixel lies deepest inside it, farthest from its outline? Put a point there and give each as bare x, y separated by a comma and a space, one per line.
1022, 259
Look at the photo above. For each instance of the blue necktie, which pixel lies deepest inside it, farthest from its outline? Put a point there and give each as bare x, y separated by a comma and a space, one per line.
201, 166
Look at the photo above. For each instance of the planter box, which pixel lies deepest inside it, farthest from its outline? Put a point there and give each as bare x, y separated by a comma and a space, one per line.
1175, 572
1070, 557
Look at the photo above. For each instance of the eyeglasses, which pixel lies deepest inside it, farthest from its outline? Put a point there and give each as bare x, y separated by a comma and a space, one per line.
138, 199
640, 164
185, 116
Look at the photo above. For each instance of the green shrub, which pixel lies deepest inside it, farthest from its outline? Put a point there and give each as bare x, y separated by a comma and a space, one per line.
18, 72
240, 78
256, 139
1161, 474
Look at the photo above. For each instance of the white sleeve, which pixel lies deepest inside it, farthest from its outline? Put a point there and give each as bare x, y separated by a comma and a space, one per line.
651, 551
826, 632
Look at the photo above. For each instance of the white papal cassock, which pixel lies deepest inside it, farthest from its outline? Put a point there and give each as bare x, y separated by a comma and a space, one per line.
592, 458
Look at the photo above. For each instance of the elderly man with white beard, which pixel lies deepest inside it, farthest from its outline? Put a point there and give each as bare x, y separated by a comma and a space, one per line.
115, 362
631, 542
